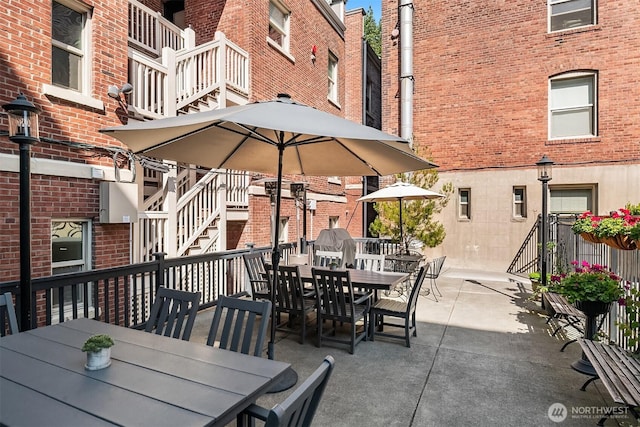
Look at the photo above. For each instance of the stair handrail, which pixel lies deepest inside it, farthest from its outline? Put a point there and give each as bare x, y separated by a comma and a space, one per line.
526, 259
205, 68
150, 31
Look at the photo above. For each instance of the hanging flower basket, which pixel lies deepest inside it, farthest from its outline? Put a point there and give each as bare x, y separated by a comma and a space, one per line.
589, 237
620, 241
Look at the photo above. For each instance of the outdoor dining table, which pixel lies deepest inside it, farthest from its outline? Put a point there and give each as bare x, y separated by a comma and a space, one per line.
153, 380
367, 279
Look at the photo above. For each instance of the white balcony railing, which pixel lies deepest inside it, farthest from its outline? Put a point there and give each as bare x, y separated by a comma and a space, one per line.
183, 77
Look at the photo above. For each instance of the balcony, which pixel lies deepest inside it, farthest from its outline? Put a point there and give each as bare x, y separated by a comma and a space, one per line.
174, 76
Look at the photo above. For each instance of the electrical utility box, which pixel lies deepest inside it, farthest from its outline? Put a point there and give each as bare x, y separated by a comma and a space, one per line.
118, 202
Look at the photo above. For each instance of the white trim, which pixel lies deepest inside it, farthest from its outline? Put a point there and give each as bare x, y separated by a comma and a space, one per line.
11, 163
73, 96
279, 48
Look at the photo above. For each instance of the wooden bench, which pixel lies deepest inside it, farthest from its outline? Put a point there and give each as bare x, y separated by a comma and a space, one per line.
618, 371
560, 309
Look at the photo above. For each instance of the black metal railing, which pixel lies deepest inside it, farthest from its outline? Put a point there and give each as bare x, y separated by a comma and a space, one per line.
123, 295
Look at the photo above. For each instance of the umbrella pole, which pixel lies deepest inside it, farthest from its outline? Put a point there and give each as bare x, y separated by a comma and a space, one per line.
401, 237
290, 377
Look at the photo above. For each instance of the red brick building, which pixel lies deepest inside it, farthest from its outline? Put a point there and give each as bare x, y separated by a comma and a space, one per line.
73, 60
495, 85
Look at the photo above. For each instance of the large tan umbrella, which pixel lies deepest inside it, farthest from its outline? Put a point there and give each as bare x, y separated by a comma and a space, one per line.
279, 137
398, 192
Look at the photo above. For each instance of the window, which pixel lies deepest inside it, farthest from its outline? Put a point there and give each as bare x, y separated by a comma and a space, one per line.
332, 75
572, 200
464, 203
334, 222
70, 253
279, 25
519, 202
69, 46
368, 96
284, 230
566, 14
572, 106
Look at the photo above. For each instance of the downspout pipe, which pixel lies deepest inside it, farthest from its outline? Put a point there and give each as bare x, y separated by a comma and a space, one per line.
406, 12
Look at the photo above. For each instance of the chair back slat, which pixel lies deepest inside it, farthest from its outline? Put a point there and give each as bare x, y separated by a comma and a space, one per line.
335, 291
325, 258
371, 262
236, 327
170, 309
256, 269
415, 290
8, 319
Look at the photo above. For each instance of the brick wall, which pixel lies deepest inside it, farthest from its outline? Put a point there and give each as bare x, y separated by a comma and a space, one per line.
481, 81
25, 31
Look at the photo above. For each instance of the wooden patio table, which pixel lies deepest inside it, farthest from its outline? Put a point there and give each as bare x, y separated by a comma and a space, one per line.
152, 381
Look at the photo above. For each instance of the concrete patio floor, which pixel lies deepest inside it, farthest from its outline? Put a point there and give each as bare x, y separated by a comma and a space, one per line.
484, 356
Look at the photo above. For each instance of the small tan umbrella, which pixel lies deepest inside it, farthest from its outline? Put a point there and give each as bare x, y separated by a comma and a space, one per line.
279, 137
398, 192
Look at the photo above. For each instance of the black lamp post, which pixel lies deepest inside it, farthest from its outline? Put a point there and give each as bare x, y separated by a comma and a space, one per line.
23, 130
299, 192
544, 175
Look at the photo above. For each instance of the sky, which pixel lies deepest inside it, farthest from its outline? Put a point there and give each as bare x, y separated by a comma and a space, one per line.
375, 4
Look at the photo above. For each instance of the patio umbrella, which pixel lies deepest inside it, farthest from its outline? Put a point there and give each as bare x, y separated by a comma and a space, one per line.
279, 137
398, 192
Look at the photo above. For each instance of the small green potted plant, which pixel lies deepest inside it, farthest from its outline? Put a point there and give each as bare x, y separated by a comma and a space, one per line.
333, 266
98, 349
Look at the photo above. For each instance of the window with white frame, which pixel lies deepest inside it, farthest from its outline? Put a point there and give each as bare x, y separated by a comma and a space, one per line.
567, 14
519, 202
284, 230
70, 44
70, 253
279, 24
334, 222
464, 203
572, 105
332, 75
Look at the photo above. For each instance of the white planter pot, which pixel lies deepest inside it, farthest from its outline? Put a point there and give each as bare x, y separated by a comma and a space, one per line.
98, 359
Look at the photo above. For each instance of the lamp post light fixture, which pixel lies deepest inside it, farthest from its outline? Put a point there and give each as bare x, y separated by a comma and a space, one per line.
24, 130
544, 175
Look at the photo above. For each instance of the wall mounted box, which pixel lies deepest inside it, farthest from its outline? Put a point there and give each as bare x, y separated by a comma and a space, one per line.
118, 202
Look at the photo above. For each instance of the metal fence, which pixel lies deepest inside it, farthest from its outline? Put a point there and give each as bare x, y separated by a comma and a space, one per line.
566, 247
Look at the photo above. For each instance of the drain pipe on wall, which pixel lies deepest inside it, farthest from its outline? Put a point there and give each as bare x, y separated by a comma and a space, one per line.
406, 70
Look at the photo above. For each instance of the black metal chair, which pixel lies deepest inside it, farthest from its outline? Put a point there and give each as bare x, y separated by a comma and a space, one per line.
435, 267
336, 302
398, 309
8, 319
293, 299
239, 324
169, 311
300, 407
256, 269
